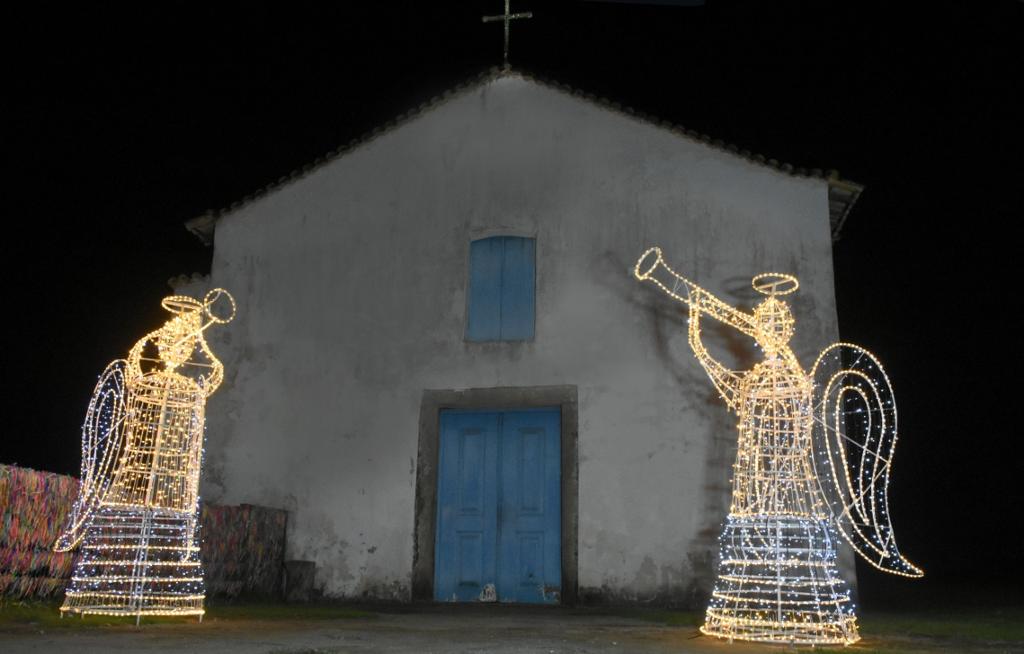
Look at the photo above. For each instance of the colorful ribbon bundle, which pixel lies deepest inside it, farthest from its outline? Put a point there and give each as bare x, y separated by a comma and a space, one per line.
33, 508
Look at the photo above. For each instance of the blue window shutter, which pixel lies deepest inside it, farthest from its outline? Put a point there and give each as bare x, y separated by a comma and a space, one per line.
518, 289
502, 295
484, 322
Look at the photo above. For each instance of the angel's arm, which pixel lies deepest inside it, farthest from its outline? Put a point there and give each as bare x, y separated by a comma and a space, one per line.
135, 358
215, 376
725, 380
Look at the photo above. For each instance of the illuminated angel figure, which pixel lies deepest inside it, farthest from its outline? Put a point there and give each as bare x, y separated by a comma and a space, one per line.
814, 456
136, 513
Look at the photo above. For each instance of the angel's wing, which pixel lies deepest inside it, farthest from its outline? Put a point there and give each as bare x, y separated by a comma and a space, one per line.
855, 436
102, 434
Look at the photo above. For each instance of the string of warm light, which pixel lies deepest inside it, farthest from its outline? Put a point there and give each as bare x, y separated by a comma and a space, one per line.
778, 580
136, 514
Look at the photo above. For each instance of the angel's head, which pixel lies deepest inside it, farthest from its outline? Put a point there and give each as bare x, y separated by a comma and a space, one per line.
176, 340
774, 324
773, 321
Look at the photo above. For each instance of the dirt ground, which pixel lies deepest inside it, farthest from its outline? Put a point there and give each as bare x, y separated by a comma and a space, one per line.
422, 632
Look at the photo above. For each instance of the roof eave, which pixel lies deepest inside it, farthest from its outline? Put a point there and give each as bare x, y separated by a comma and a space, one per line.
842, 195
203, 226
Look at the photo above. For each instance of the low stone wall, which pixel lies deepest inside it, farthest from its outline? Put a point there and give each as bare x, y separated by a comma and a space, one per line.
243, 550
242, 546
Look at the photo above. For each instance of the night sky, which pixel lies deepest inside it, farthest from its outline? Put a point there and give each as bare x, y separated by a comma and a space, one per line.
121, 125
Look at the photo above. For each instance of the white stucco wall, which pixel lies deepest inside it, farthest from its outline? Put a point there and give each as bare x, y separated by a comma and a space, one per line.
351, 285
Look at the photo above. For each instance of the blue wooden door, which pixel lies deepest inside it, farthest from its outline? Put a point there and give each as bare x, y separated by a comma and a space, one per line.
499, 507
467, 503
529, 507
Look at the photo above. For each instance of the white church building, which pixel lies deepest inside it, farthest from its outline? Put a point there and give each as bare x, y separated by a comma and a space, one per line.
443, 368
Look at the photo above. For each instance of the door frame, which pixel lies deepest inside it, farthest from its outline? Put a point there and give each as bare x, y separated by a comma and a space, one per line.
428, 450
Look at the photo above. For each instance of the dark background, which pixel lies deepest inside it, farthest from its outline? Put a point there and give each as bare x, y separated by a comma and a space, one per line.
123, 123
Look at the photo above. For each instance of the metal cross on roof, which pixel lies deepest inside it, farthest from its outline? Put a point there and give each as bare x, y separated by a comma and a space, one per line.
506, 18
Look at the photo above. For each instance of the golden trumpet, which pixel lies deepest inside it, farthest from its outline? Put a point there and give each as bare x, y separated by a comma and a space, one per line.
651, 267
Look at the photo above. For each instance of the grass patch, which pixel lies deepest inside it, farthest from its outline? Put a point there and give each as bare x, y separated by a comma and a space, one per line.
665, 616
886, 632
996, 625
280, 611
45, 615
893, 632
999, 624
857, 649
